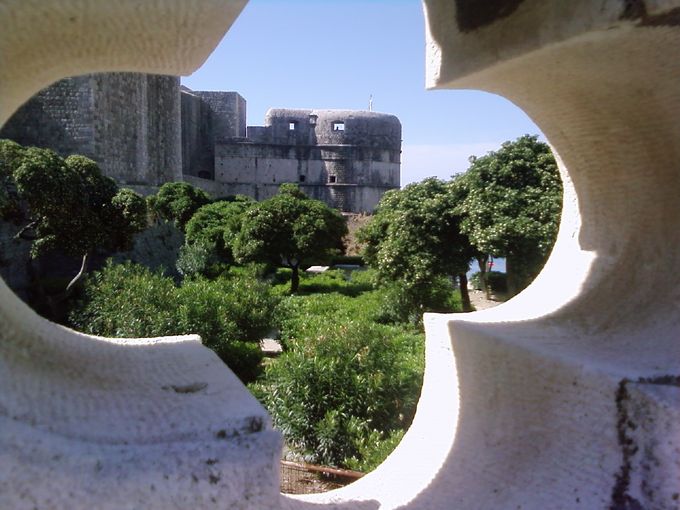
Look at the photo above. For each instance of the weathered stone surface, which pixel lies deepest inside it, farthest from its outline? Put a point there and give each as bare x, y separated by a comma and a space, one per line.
143, 133
128, 122
345, 158
14, 255
565, 397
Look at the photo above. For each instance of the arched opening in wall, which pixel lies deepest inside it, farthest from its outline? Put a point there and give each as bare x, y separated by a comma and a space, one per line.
310, 388
345, 389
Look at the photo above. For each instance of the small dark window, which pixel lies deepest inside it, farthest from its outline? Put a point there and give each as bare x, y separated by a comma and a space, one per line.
338, 126
302, 178
292, 125
332, 178
312, 119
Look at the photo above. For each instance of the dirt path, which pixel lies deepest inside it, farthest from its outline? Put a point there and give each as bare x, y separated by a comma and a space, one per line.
479, 301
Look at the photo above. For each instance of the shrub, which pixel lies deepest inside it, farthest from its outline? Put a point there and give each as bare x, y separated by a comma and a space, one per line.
373, 450
497, 281
356, 260
197, 259
403, 303
231, 315
126, 300
343, 384
217, 225
347, 282
300, 317
177, 201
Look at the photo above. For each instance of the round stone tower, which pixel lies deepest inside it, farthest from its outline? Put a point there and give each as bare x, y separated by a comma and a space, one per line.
353, 157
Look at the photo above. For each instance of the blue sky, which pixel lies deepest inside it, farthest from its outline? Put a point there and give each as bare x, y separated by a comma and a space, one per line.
335, 54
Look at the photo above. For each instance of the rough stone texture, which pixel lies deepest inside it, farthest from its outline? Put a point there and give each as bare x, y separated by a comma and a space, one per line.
14, 254
349, 168
157, 248
87, 422
229, 114
208, 118
62, 114
143, 132
565, 397
198, 144
127, 122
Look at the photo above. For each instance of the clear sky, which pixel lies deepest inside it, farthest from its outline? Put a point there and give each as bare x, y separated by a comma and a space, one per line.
336, 54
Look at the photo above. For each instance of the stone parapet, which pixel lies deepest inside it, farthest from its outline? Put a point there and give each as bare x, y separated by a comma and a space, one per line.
565, 397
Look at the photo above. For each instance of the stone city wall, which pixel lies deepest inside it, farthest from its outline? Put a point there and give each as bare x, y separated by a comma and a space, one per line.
198, 144
129, 123
59, 117
137, 127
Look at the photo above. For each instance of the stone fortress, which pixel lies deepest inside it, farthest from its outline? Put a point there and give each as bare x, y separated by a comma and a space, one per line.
566, 397
145, 130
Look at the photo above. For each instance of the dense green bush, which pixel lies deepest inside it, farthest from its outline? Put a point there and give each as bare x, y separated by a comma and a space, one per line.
126, 300
348, 283
346, 387
177, 201
11, 154
403, 303
230, 314
303, 316
217, 225
498, 282
343, 387
356, 260
197, 259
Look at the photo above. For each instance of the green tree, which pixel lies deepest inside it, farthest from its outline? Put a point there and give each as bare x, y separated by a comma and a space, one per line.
513, 199
290, 229
11, 154
414, 238
129, 300
218, 224
177, 201
73, 207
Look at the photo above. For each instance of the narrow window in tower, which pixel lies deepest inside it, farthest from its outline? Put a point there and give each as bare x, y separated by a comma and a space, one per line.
292, 125
338, 126
332, 178
302, 178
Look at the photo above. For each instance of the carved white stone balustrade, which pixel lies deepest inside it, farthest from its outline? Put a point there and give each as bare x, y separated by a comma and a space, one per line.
568, 396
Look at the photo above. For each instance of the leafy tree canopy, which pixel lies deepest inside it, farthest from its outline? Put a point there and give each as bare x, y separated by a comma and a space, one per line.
415, 236
72, 206
512, 205
217, 225
290, 229
178, 201
11, 154
66, 204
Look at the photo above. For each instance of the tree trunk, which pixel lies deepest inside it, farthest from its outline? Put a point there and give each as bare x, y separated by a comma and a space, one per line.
464, 294
79, 276
294, 279
482, 260
511, 276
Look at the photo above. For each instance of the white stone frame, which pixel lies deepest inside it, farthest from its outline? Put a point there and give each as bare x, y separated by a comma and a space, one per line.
566, 397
